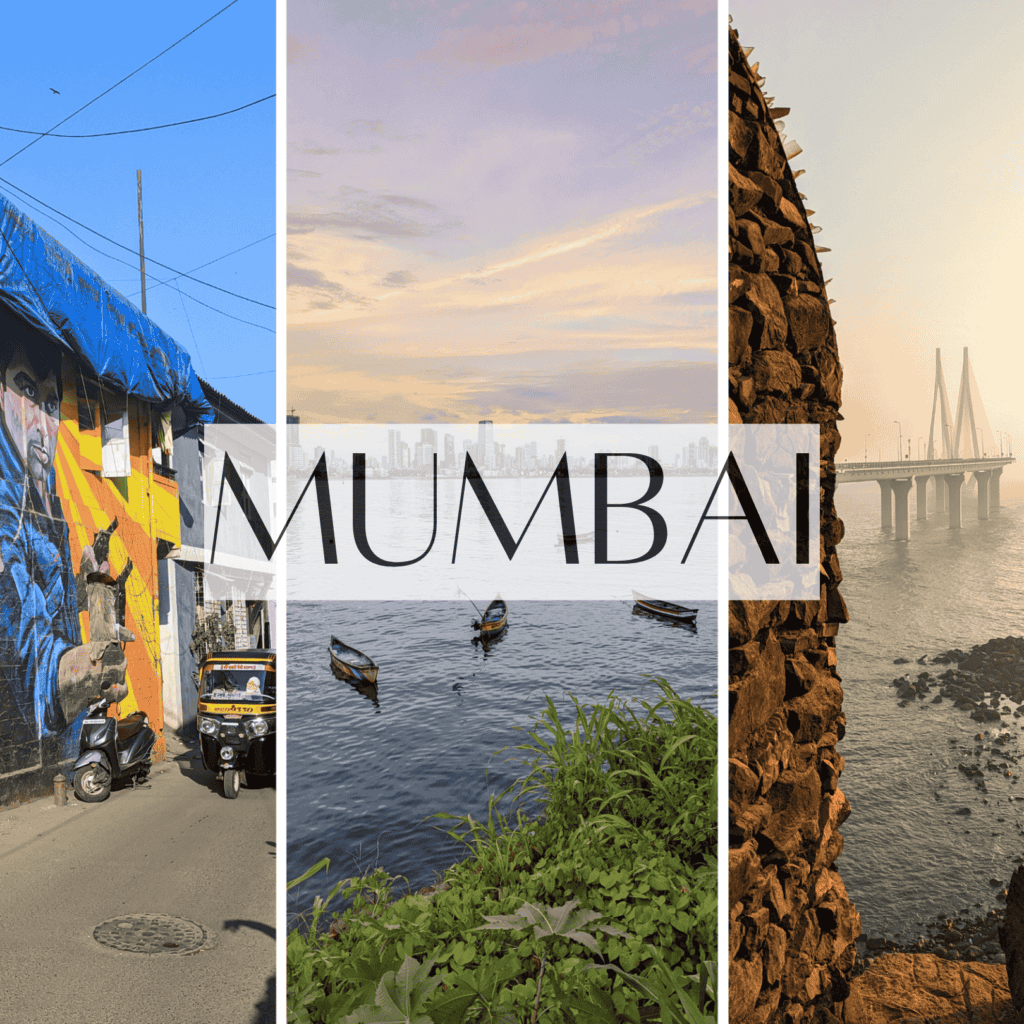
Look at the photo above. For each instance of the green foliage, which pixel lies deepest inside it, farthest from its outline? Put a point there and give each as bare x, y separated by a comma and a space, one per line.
602, 910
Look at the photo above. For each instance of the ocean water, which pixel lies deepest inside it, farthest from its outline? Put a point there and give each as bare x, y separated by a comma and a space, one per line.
908, 856
365, 774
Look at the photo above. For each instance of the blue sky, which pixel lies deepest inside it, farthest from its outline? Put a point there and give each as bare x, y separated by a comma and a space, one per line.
502, 210
208, 188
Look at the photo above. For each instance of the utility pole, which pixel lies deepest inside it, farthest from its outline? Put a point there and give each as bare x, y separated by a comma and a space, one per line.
142, 245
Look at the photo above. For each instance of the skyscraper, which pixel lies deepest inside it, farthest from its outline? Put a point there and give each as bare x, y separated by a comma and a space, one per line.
485, 440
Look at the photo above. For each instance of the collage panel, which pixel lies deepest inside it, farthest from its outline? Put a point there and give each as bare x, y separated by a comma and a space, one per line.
137, 185
875, 853
502, 392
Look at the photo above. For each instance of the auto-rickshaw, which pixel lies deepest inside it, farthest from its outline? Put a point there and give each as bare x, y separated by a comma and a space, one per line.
237, 716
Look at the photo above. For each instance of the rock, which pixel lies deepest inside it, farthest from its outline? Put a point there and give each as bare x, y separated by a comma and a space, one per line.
792, 926
1011, 938
922, 986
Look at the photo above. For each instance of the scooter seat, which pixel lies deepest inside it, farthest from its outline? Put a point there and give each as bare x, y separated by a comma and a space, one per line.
128, 727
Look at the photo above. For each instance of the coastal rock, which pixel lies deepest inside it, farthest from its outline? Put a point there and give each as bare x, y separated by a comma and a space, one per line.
1011, 938
793, 928
903, 987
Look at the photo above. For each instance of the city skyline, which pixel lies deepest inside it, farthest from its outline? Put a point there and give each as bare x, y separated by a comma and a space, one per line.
521, 454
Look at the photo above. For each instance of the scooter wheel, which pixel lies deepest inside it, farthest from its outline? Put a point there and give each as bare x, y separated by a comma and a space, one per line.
232, 783
92, 784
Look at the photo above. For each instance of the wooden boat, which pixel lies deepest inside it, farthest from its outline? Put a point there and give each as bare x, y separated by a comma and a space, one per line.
665, 609
352, 664
494, 621
581, 538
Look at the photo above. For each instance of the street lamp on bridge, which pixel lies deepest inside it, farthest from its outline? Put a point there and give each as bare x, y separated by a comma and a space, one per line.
866, 436
899, 443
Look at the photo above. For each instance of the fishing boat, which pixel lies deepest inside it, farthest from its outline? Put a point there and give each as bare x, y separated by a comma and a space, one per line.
665, 609
352, 664
494, 621
580, 538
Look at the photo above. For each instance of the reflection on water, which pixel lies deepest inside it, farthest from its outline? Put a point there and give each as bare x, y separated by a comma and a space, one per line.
909, 855
363, 686
364, 773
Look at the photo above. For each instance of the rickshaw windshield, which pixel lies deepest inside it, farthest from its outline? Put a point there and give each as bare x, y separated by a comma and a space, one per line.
248, 680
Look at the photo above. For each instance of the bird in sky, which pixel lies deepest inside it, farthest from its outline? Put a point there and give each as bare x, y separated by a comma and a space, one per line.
54, 90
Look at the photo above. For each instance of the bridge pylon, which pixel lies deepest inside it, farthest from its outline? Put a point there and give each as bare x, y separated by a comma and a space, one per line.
971, 420
940, 405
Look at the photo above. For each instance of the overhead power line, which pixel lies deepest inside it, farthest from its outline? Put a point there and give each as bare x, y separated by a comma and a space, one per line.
131, 131
117, 259
123, 80
230, 316
169, 280
234, 376
134, 252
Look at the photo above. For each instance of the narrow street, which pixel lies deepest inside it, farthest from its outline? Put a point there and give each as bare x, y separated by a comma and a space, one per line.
178, 850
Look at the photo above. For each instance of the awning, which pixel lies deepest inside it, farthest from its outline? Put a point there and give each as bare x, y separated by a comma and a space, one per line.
56, 293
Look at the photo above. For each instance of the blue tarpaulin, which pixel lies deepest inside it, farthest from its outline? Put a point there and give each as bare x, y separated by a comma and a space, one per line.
55, 292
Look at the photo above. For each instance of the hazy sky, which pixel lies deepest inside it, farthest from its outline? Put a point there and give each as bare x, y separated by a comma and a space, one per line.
501, 209
913, 134
208, 188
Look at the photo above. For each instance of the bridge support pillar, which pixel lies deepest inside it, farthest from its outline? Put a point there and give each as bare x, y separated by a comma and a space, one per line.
886, 486
941, 494
983, 479
901, 489
922, 497
993, 487
954, 481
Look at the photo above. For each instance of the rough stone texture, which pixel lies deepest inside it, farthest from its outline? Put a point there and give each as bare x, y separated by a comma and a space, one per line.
921, 987
1011, 938
792, 926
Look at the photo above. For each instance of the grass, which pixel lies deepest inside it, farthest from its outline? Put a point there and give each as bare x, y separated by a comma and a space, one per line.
602, 908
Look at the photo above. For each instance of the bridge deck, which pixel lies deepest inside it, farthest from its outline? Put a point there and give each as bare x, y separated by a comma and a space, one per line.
854, 472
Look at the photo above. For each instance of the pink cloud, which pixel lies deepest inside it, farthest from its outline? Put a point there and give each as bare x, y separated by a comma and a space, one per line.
508, 44
537, 31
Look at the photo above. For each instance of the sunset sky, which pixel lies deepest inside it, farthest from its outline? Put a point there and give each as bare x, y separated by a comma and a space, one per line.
913, 138
502, 210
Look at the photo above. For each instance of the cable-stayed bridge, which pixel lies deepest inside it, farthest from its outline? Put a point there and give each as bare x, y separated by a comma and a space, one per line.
956, 447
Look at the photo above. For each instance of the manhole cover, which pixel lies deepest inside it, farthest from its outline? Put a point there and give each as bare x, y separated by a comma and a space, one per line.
152, 933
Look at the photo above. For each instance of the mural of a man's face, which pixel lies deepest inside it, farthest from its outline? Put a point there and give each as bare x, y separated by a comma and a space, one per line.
31, 411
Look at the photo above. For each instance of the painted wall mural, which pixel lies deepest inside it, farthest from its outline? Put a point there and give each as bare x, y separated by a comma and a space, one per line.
82, 513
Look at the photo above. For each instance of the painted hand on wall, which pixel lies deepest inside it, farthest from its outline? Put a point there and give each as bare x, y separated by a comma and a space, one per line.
95, 668
98, 667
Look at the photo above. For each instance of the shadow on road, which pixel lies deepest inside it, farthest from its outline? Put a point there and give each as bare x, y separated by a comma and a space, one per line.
266, 1006
257, 926
193, 770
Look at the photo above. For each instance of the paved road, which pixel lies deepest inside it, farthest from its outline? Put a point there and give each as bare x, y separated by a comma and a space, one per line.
178, 849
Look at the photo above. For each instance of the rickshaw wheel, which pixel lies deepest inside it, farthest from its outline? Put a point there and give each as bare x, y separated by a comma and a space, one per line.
232, 783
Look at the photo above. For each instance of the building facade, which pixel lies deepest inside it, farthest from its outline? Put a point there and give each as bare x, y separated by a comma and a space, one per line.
89, 501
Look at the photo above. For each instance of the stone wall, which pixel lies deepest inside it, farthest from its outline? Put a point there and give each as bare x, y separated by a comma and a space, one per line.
792, 925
